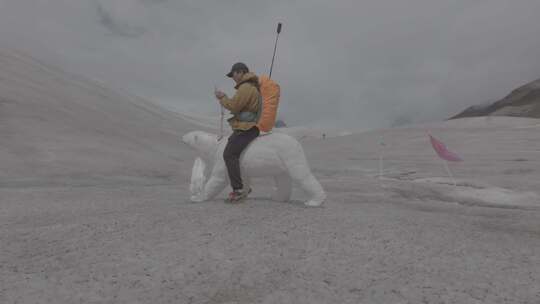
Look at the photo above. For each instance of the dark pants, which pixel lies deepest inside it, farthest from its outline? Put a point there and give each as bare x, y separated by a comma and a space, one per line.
237, 142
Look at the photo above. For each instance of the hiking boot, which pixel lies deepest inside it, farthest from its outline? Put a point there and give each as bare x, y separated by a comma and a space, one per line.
237, 196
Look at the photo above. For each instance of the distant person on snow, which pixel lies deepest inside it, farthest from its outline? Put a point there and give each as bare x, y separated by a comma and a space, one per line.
245, 106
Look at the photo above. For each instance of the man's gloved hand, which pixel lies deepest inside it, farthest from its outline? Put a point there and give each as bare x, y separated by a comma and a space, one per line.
219, 94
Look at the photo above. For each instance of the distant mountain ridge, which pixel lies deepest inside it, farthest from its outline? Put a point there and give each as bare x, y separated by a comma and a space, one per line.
522, 102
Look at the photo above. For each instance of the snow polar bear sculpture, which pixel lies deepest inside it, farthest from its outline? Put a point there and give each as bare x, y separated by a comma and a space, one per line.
277, 155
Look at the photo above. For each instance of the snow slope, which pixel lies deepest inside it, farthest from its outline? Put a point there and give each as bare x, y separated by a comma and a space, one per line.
94, 208
501, 156
57, 125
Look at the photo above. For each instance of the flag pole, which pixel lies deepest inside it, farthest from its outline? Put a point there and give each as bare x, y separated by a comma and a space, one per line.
380, 166
449, 173
381, 158
445, 155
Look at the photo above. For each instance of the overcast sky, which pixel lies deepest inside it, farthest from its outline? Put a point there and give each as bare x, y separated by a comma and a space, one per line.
359, 64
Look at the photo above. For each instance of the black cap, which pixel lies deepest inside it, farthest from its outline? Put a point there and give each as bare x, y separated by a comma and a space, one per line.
239, 66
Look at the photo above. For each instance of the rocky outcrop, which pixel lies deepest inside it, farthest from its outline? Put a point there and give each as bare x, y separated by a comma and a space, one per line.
522, 102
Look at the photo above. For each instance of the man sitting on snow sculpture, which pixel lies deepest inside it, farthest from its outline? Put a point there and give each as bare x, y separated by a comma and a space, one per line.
246, 107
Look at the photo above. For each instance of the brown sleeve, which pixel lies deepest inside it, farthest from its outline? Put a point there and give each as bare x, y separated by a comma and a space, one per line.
239, 101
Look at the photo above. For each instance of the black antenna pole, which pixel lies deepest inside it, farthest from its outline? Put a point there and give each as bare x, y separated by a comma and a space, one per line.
275, 47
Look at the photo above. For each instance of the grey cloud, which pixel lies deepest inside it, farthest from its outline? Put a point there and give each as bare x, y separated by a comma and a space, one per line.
341, 63
116, 27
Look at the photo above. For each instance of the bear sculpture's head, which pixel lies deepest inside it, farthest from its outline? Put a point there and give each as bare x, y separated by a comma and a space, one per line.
202, 142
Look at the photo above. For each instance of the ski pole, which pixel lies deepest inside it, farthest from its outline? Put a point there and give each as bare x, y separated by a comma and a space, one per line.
221, 118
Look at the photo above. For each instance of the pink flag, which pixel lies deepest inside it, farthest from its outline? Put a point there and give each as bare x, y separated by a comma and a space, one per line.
442, 151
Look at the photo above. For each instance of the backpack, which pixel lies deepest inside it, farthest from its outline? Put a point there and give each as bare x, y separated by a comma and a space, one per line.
270, 93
